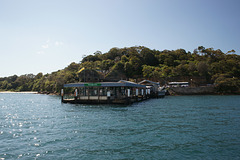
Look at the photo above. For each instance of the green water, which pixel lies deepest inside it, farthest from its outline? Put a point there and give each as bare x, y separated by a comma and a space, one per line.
181, 127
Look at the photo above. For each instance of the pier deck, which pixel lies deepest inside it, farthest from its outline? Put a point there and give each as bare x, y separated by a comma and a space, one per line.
122, 92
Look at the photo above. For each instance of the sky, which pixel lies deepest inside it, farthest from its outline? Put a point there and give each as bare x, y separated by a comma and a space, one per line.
47, 35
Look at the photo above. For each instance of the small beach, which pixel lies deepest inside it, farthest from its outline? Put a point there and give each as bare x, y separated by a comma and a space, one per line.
24, 92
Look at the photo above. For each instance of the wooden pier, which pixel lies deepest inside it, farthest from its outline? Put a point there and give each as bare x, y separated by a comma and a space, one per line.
122, 92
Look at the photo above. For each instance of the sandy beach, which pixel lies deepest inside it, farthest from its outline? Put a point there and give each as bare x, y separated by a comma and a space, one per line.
25, 92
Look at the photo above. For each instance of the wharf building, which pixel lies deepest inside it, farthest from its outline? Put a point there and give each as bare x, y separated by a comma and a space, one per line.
121, 92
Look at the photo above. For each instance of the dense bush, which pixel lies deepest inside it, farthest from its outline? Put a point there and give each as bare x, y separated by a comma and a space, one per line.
139, 62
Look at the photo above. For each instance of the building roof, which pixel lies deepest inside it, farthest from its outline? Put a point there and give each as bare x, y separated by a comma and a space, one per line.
175, 83
106, 84
147, 81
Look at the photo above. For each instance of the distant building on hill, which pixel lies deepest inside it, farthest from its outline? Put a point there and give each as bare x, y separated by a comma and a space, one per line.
178, 84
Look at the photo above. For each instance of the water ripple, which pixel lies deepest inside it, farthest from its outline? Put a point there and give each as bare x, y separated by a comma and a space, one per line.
182, 127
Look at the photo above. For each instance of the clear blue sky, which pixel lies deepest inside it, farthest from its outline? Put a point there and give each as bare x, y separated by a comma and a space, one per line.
47, 35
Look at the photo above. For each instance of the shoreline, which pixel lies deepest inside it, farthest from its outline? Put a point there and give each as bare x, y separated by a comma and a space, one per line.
201, 90
169, 94
21, 92
28, 92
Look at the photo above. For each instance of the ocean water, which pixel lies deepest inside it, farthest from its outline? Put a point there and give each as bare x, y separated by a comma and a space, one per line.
36, 126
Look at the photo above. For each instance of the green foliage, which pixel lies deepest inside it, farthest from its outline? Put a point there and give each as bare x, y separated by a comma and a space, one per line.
227, 85
124, 58
138, 62
148, 57
91, 58
148, 71
202, 68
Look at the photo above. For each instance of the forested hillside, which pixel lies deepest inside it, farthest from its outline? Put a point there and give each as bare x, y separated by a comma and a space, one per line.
203, 66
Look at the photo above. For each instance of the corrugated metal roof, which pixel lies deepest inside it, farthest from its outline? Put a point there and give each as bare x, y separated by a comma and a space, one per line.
178, 83
156, 83
105, 84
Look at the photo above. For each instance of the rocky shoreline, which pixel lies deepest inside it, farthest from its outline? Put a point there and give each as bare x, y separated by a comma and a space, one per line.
192, 90
202, 90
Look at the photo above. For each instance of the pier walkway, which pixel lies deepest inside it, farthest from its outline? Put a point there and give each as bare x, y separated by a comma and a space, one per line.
122, 92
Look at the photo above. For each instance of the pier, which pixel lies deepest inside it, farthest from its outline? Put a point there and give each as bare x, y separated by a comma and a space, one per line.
121, 92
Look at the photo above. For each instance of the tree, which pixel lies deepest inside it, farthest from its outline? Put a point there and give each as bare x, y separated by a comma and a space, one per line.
192, 69
147, 71
124, 58
4, 84
12, 78
136, 64
202, 68
73, 67
181, 54
106, 65
39, 75
148, 57
169, 61
181, 70
113, 53
227, 85
128, 68
232, 51
201, 49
